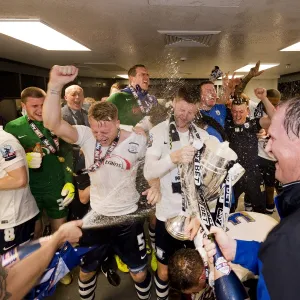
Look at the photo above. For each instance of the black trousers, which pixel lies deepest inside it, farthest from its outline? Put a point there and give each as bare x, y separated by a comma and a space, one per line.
252, 185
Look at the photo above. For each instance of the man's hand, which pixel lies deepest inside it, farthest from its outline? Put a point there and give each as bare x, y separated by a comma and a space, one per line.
254, 72
229, 85
226, 244
184, 155
70, 231
68, 192
153, 195
34, 160
61, 75
261, 134
260, 93
192, 227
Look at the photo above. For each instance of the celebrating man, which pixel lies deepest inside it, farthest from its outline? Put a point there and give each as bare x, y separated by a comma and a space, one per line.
171, 145
276, 260
112, 157
134, 101
51, 182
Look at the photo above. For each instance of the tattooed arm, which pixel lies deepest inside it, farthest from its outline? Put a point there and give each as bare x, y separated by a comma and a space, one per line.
254, 72
16, 281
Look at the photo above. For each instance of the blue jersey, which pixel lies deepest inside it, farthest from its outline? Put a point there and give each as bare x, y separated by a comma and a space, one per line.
218, 112
212, 131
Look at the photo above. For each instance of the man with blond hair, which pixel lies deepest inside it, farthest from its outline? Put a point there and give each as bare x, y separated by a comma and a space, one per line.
112, 156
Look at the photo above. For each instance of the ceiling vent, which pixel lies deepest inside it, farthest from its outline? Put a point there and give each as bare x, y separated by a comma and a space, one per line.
208, 3
188, 38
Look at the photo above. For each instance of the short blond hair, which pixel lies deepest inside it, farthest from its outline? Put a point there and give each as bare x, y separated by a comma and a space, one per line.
103, 111
33, 92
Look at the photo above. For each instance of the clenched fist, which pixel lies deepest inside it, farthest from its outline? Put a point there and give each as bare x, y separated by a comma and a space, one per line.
61, 75
260, 93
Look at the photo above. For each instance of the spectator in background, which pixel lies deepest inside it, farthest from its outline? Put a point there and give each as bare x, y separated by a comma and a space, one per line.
116, 88
87, 102
73, 113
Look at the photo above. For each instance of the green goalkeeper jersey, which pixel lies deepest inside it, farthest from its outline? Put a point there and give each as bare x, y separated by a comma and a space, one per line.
55, 168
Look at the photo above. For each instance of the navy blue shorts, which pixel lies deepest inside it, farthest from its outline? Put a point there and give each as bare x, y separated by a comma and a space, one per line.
127, 241
166, 245
15, 236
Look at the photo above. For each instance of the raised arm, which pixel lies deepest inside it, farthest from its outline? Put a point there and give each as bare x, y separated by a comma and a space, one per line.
261, 94
59, 76
254, 72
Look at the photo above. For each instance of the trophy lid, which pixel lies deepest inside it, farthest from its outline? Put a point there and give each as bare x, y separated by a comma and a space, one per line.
221, 149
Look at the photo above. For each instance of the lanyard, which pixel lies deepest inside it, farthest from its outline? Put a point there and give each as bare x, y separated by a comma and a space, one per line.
97, 160
43, 139
144, 106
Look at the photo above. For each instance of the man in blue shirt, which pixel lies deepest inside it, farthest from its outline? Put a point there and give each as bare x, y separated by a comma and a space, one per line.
277, 259
208, 102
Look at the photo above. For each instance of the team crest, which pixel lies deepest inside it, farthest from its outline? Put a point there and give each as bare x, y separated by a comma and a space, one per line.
246, 125
218, 112
8, 153
133, 147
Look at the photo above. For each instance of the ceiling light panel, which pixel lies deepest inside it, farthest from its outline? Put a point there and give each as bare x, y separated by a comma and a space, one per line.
39, 34
209, 3
261, 68
125, 76
295, 47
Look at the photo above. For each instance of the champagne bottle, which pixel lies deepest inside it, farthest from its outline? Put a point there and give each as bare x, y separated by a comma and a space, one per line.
227, 284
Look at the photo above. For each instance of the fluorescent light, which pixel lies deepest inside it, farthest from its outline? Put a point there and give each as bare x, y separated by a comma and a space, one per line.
235, 76
262, 67
125, 76
295, 47
39, 34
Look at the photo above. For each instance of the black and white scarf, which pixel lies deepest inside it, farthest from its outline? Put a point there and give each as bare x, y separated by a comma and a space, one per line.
174, 144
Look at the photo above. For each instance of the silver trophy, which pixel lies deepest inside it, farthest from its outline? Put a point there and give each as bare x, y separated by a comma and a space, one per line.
202, 184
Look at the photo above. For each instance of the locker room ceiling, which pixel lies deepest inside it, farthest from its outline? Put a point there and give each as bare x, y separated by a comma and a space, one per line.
121, 33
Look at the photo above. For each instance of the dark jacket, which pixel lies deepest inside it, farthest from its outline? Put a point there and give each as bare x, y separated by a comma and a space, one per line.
277, 259
66, 114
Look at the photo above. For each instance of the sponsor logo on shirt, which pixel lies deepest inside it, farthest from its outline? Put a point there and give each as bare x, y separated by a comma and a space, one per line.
8, 153
118, 162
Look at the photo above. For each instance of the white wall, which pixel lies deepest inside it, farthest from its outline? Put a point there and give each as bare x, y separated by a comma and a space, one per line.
264, 83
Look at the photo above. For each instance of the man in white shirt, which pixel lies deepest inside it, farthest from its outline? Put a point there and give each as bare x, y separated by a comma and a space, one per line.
111, 158
171, 145
18, 209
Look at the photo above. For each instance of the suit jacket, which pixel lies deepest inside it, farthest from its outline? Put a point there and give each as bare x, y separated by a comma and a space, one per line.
68, 117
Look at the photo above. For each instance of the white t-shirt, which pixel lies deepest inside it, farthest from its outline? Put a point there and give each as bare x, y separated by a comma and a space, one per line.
18, 205
171, 203
252, 107
113, 188
262, 143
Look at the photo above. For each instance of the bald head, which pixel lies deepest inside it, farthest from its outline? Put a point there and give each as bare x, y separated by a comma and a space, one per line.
74, 97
